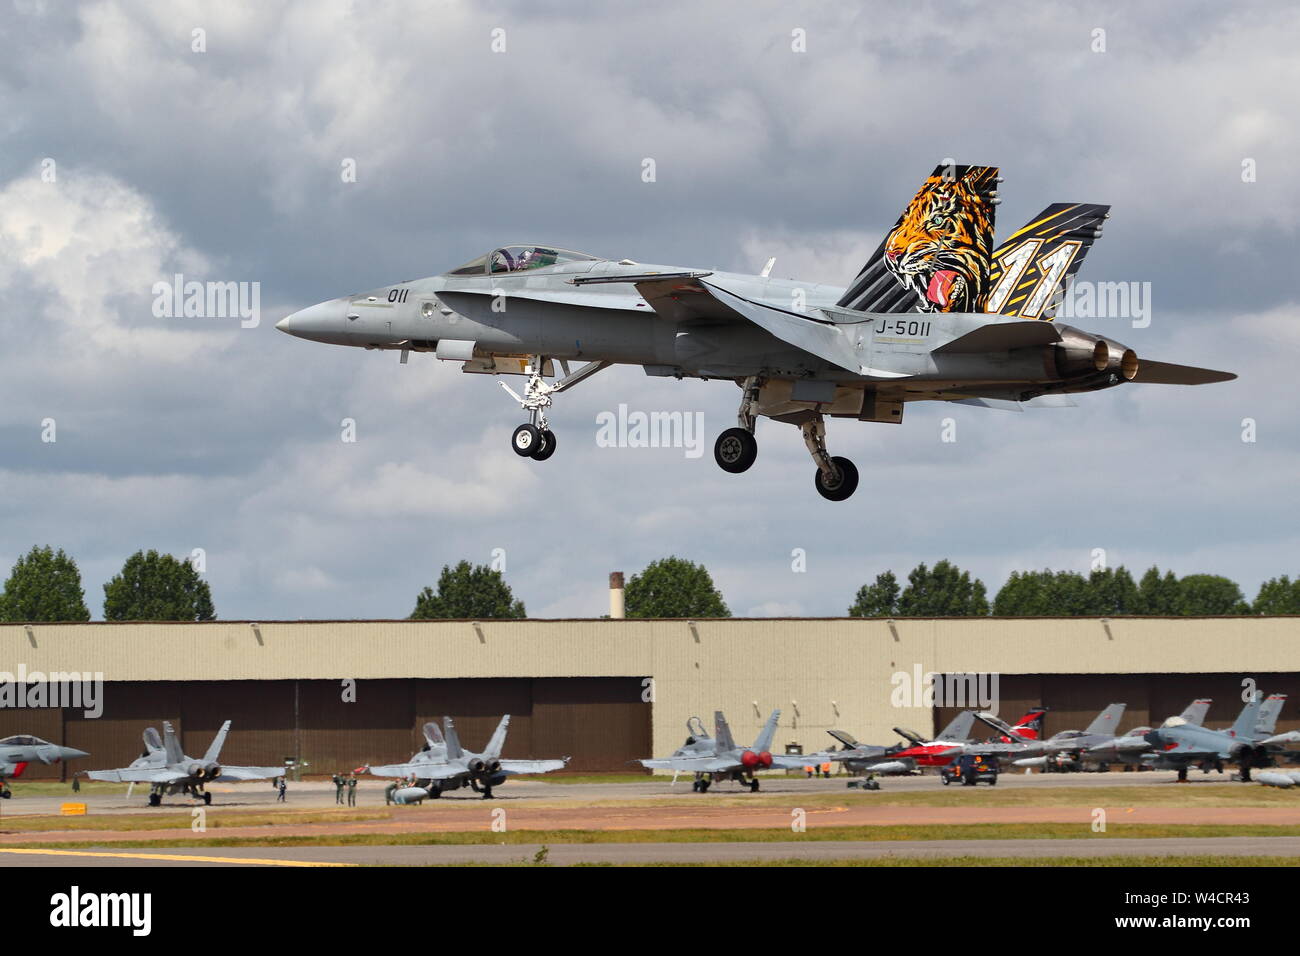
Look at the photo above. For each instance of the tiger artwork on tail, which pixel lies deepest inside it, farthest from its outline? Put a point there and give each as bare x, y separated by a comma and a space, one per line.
941, 246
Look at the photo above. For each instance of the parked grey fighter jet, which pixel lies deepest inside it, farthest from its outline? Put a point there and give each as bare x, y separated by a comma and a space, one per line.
1064, 750
712, 759
18, 751
1130, 747
936, 314
167, 770
1184, 746
444, 765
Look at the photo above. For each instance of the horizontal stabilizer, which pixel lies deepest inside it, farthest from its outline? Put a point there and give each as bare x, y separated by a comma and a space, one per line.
1002, 337
1165, 373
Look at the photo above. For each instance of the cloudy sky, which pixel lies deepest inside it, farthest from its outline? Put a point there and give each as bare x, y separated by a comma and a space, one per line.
225, 165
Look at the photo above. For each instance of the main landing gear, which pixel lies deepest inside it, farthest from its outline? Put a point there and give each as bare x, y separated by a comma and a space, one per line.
736, 448
534, 439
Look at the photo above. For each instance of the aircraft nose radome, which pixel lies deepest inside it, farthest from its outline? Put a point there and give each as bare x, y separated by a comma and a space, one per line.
72, 753
285, 324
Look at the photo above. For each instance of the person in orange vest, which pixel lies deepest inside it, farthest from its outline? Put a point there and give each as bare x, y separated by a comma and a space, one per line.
826, 769
810, 770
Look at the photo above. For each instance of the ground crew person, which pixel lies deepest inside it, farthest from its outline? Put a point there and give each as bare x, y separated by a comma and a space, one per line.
389, 791
352, 790
283, 787
810, 770
338, 789
826, 770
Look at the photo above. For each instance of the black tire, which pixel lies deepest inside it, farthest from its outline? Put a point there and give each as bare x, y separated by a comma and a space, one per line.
546, 447
207, 798
993, 781
946, 781
487, 793
735, 450
526, 440
5, 794
155, 799
753, 786
847, 484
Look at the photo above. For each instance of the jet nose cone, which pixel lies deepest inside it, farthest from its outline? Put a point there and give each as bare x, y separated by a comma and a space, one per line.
72, 753
323, 322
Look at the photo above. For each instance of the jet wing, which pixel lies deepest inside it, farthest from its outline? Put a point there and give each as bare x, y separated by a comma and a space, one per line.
533, 766
232, 774
1290, 737
707, 764
1165, 373
421, 771
685, 296
142, 775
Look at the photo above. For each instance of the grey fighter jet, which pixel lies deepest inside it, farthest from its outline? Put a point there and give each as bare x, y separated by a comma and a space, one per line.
444, 765
1063, 751
1132, 746
17, 752
903, 758
1184, 746
936, 314
167, 770
712, 759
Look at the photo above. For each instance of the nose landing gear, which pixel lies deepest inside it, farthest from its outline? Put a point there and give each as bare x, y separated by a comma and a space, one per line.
534, 439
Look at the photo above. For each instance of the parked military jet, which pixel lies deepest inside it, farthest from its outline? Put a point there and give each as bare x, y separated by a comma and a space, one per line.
936, 314
1132, 746
712, 759
904, 757
1063, 750
1183, 746
167, 770
18, 751
444, 765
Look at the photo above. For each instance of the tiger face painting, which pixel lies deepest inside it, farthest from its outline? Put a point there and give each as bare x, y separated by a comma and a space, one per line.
941, 247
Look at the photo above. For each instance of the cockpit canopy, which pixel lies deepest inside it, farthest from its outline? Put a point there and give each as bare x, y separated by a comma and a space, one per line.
23, 740
520, 259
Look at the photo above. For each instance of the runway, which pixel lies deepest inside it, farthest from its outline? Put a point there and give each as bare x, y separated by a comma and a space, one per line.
623, 853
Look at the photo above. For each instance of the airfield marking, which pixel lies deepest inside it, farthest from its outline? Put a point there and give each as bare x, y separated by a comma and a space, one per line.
174, 857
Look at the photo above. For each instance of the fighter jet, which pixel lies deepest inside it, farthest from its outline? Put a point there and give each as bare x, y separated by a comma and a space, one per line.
712, 759
22, 749
903, 757
936, 314
442, 765
1183, 746
1132, 746
1063, 750
167, 770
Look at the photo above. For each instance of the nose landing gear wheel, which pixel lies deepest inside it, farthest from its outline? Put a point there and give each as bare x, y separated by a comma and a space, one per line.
526, 440
844, 485
735, 450
546, 447
207, 798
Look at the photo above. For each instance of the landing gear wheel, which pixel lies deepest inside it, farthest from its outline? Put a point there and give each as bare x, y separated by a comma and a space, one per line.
704, 786
753, 786
842, 488
155, 799
207, 798
526, 440
434, 793
545, 448
487, 793
695, 786
735, 450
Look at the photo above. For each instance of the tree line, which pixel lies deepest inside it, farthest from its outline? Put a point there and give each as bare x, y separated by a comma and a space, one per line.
45, 585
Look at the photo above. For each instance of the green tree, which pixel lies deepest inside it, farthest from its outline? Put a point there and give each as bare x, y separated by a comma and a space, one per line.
877, 600
1157, 594
1113, 591
945, 591
44, 585
1278, 596
157, 587
1208, 594
466, 592
674, 587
